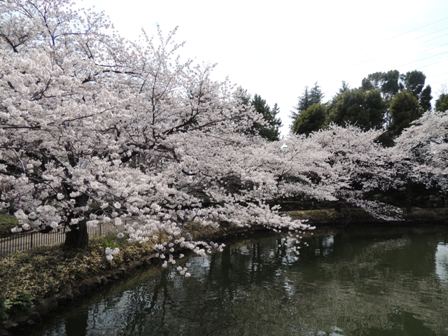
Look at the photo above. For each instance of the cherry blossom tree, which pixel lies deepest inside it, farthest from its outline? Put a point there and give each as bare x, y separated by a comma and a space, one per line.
423, 148
348, 164
97, 128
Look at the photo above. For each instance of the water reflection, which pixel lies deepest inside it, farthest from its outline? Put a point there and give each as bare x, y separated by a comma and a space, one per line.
361, 283
326, 245
442, 262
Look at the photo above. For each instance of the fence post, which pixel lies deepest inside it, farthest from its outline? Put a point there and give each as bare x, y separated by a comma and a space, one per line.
31, 241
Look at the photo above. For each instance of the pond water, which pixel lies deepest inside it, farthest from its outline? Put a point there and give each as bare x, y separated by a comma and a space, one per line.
375, 282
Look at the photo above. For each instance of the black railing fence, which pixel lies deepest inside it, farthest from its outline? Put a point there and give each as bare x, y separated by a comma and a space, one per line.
30, 240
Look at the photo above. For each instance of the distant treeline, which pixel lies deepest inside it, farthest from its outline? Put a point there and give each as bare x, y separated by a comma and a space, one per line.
385, 100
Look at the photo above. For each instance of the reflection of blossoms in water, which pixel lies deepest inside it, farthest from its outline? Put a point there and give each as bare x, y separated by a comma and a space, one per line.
334, 332
198, 265
327, 245
441, 260
291, 246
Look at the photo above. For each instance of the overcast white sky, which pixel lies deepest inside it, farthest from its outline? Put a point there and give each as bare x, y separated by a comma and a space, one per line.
276, 48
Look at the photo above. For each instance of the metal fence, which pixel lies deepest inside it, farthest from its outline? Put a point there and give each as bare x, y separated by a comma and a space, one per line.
30, 240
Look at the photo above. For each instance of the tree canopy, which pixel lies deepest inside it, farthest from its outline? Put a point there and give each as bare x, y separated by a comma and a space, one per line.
308, 98
310, 120
269, 129
442, 103
370, 105
363, 108
386, 82
404, 108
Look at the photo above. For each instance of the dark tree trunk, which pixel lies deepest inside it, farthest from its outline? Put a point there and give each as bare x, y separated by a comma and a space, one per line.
77, 237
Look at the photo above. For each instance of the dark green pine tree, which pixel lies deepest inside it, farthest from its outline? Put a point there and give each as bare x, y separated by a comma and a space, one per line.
304, 103
442, 103
344, 87
316, 95
310, 120
309, 97
271, 130
414, 82
404, 108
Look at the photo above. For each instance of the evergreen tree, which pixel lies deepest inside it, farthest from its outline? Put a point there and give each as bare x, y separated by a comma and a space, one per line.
344, 87
404, 108
363, 108
406, 98
392, 82
442, 103
425, 99
271, 130
386, 82
310, 120
304, 103
316, 94
414, 82
308, 98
